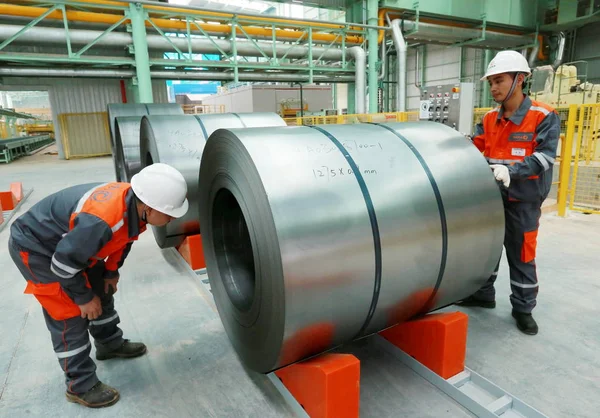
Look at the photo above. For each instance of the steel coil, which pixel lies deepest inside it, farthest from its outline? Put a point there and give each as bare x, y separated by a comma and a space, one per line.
179, 141
127, 147
317, 236
129, 135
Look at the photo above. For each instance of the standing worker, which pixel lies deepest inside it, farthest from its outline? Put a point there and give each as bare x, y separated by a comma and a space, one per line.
519, 140
70, 246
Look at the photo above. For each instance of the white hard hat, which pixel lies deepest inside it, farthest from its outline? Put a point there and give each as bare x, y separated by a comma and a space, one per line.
163, 188
507, 62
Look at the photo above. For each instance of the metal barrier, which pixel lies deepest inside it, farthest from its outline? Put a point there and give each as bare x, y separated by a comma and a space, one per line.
85, 134
355, 118
579, 180
196, 109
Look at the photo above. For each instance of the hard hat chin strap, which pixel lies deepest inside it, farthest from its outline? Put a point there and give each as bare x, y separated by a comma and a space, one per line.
512, 89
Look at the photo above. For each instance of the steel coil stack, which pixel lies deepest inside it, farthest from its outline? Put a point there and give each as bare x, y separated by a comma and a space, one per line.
317, 236
124, 124
179, 142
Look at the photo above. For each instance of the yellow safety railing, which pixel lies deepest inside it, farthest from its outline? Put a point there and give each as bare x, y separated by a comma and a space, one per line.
579, 179
195, 109
355, 118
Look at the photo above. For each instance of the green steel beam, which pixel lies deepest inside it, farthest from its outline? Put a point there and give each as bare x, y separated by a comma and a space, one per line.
137, 15
372, 9
95, 41
28, 26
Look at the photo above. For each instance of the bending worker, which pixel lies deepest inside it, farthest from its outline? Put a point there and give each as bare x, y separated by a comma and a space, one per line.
70, 246
519, 140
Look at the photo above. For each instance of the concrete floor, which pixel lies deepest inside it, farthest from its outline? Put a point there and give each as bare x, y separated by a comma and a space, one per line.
191, 370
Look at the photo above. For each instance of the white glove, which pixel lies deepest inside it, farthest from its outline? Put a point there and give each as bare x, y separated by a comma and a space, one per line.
501, 173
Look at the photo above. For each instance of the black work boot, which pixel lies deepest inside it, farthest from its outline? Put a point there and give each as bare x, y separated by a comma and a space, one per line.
525, 322
474, 302
99, 396
126, 350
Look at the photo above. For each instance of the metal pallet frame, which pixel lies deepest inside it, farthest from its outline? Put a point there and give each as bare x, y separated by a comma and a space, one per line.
469, 389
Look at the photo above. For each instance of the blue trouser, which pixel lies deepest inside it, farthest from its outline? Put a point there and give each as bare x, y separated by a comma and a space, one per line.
520, 241
70, 336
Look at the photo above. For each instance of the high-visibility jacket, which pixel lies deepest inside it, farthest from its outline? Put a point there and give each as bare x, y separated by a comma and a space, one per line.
75, 228
526, 142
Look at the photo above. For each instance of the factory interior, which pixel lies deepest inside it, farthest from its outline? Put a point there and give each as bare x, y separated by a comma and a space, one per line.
341, 209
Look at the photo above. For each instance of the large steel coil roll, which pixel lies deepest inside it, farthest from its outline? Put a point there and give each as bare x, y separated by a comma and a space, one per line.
316, 236
179, 141
129, 136
127, 147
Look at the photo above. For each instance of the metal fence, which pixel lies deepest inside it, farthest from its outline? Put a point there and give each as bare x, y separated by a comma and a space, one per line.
84, 134
579, 176
355, 118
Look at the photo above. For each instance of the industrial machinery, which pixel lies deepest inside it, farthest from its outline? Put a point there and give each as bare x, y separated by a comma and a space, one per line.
449, 104
291, 108
316, 236
564, 86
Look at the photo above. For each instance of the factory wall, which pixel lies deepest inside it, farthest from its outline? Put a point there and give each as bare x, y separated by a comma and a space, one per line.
78, 95
266, 98
442, 66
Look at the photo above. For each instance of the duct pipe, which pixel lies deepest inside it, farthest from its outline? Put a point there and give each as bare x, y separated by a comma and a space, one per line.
125, 136
560, 51
56, 36
401, 47
179, 141
171, 75
433, 33
311, 250
360, 69
533, 55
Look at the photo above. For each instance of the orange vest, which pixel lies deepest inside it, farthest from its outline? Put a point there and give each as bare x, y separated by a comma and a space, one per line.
505, 142
107, 202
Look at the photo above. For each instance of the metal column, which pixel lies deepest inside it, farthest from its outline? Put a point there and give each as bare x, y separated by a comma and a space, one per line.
485, 92
143, 89
372, 8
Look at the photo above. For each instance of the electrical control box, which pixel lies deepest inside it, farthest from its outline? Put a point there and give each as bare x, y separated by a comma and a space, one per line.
450, 104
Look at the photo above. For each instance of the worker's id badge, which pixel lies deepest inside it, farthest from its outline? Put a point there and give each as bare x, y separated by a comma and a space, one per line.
518, 152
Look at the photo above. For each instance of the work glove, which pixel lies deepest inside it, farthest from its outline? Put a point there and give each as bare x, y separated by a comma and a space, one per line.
501, 173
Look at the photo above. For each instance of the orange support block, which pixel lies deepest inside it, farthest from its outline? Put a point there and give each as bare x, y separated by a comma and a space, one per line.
17, 190
326, 386
438, 341
192, 252
1, 216
7, 200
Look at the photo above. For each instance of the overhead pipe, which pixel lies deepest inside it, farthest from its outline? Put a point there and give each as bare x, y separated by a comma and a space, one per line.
188, 9
111, 19
401, 47
560, 50
57, 36
175, 75
436, 33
